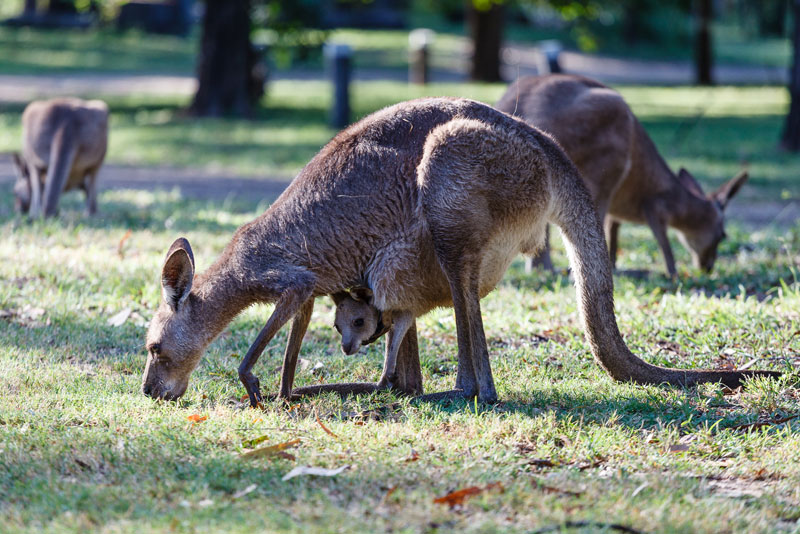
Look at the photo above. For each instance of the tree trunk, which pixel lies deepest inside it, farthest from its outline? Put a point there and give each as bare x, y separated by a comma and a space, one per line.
703, 53
791, 130
486, 31
30, 7
228, 82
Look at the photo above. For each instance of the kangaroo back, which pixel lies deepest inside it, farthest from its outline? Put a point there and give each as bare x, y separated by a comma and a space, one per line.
62, 154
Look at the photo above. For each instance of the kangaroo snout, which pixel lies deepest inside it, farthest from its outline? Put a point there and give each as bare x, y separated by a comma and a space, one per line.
350, 347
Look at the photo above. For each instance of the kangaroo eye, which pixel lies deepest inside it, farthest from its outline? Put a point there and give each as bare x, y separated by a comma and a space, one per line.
358, 323
154, 349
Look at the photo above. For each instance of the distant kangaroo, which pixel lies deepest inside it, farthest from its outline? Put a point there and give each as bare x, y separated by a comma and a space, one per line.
428, 201
627, 177
63, 146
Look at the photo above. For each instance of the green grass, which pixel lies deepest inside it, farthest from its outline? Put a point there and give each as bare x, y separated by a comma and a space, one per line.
30, 51
82, 449
712, 132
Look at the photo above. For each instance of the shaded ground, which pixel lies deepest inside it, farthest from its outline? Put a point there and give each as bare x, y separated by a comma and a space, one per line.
753, 212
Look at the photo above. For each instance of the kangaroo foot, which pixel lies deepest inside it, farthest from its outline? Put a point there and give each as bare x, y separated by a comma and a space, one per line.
452, 395
342, 388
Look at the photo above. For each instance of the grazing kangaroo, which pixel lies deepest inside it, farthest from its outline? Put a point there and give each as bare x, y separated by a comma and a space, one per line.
64, 142
620, 165
429, 201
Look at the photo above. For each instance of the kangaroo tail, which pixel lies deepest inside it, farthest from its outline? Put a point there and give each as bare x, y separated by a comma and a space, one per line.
574, 214
62, 155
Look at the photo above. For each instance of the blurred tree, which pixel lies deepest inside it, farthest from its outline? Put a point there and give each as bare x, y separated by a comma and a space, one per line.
485, 21
703, 56
30, 7
227, 82
790, 140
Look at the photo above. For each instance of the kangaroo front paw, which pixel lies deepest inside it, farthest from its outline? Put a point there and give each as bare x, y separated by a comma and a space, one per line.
253, 388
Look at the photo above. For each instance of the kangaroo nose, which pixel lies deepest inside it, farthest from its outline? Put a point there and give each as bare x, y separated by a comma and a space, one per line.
147, 389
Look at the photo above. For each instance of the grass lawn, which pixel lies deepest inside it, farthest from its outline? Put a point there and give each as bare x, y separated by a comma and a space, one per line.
82, 449
710, 131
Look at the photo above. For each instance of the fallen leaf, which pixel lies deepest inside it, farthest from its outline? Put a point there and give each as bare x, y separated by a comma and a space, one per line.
316, 471
121, 245
251, 443
197, 418
271, 450
325, 428
457, 498
120, 317
413, 457
387, 495
678, 447
241, 493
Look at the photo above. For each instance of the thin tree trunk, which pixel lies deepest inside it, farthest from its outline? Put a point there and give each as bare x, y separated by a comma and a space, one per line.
703, 53
790, 140
226, 62
30, 7
486, 31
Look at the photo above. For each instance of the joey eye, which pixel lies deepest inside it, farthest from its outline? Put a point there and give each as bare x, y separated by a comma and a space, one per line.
358, 323
154, 349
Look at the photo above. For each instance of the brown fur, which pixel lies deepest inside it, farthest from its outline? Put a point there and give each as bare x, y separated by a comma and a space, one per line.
627, 177
428, 201
63, 146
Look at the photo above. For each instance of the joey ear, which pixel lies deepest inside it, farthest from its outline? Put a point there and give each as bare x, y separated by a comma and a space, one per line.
689, 182
727, 190
339, 296
361, 294
177, 273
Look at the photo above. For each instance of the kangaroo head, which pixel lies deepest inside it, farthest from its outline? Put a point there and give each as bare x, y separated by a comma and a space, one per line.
357, 320
173, 346
22, 187
703, 236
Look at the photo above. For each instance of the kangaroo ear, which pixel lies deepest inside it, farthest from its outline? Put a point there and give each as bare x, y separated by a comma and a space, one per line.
361, 294
730, 188
177, 273
339, 297
689, 182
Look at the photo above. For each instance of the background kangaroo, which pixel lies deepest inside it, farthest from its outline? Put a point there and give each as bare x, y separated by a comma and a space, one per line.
428, 201
627, 177
63, 146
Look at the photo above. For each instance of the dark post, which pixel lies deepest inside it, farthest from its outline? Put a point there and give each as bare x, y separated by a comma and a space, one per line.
337, 57
418, 43
790, 140
548, 57
704, 11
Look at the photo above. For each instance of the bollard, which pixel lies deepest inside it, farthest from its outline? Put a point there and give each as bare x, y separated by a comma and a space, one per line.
548, 57
418, 43
337, 59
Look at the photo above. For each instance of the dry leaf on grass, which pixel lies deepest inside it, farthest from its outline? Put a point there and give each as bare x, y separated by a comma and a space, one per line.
413, 457
458, 497
251, 443
678, 447
120, 317
121, 245
241, 493
272, 450
316, 471
197, 418
325, 428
